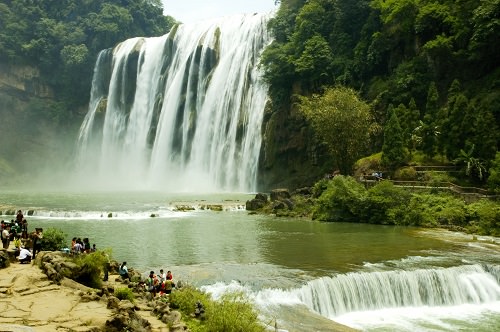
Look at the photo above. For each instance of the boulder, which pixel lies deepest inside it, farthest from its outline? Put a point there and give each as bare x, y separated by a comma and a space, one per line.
262, 197
254, 204
279, 194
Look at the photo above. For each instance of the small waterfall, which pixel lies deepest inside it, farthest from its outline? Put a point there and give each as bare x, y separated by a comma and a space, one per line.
181, 112
361, 291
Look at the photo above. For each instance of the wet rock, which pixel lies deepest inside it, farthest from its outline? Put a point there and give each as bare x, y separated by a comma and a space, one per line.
279, 194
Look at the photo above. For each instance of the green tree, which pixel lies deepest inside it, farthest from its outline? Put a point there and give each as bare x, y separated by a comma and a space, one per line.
342, 121
394, 153
494, 178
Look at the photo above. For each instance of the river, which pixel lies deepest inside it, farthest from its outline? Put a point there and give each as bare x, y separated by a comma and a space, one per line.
299, 273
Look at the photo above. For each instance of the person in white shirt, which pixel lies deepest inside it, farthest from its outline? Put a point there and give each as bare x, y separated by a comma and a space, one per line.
24, 256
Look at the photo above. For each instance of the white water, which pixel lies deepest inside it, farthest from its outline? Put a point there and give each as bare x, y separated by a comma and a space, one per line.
465, 297
183, 112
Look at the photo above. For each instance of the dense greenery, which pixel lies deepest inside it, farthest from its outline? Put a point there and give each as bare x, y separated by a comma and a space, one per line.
53, 239
435, 61
342, 121
63, 37
232, 312
345, 199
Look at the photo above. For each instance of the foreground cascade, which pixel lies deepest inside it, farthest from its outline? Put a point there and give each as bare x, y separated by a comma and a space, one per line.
180, 112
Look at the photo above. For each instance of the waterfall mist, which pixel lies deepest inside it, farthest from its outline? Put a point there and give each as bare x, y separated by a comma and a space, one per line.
178, 113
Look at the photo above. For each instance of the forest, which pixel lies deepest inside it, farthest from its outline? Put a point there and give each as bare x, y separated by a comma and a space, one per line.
427, 70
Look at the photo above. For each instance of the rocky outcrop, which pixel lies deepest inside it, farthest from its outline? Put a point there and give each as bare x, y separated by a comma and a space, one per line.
23, 81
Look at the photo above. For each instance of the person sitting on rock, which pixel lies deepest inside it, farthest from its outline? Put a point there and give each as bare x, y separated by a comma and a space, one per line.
24, 256
123, 271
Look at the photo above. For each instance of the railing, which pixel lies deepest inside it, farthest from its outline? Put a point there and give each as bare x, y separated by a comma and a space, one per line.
463, 191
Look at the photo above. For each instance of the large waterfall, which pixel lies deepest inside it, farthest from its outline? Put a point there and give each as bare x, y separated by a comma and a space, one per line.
181, 112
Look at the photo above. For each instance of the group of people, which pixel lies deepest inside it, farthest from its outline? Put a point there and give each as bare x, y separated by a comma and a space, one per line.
79, 246
161, 283
17, 231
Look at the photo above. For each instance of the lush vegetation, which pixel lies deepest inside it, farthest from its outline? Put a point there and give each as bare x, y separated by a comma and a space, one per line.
91, 267
53, 239
427, 68
62, 39
125, 293
232, 312
345, 199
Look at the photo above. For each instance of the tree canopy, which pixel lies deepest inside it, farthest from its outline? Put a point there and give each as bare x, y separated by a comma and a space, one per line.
437, 60
62, 38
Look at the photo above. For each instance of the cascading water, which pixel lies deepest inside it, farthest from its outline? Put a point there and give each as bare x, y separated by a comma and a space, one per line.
181, 112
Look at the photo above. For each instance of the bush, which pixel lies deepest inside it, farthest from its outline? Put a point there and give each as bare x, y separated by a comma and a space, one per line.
125, 293
406, 173
431, 210
341, 201
232, 312
91, 265
53, 239
185, 299
385, 204
484, 218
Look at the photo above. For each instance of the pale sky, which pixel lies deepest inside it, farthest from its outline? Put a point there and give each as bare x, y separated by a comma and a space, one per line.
191, 11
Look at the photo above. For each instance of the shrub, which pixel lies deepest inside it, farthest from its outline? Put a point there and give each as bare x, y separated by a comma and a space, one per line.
484, 218
406, 173
232, 312
385, 204
91, 265
185, 299
53, 239
125, 293
341, 201
431, 210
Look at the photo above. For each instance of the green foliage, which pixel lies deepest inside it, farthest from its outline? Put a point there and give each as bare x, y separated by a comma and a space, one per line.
91, 266
431, 210
232, 312
53, 239
342, 121
406, 173
185, 299
473, 167
63, 39
494, 178
394, 153
385, 204
125, 293
484, 218
341, 201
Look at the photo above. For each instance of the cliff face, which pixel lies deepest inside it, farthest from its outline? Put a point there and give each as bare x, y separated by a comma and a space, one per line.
290, 155
28, 137
23, 82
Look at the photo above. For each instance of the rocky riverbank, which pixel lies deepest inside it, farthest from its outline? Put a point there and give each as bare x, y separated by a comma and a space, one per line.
31, 300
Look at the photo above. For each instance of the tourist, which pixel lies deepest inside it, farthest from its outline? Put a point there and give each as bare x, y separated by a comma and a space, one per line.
24, 229
78, 247
37, 241
123, 271
19, 216
152, 283
169, 275
6, 237
94, 249
86, 245
24, 256
162, 276
107, 265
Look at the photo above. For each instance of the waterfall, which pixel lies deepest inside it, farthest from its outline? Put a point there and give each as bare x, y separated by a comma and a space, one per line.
362, 291
181, 112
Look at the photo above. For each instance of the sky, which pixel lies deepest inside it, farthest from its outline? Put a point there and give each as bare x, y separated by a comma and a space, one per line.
192, 11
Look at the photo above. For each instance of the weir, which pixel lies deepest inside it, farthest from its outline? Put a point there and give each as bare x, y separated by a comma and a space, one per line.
181, 112
362, 291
